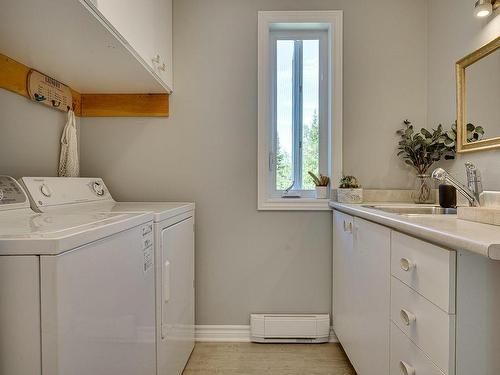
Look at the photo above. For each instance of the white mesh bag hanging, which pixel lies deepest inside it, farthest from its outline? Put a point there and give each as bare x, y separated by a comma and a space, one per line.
69, 165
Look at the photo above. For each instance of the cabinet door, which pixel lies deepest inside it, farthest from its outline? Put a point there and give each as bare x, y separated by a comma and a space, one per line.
134, 21
370, 298
163, 40
146, 26
177, 297
343, 273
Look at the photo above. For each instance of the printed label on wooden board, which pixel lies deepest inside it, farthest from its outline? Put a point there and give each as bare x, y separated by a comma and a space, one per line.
46, 90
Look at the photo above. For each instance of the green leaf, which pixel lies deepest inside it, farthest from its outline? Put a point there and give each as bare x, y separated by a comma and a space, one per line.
426, 133
451, 134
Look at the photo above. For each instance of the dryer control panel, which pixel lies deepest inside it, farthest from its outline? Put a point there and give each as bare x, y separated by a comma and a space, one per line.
10, 192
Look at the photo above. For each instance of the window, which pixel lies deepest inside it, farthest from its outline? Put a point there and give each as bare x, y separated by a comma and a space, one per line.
298, 110
300, 104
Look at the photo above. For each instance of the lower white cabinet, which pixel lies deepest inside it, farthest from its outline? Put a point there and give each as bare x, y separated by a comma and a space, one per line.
403, 306
361, 304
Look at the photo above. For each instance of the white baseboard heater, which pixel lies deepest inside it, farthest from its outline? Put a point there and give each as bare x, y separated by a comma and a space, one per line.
290, 328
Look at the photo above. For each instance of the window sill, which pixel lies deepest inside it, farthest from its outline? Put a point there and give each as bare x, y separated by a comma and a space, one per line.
294, 204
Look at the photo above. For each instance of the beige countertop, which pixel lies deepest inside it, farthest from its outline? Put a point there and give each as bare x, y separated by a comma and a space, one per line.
443, 230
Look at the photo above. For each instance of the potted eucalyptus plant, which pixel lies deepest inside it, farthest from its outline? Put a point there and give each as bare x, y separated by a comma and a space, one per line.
349, 190
321, 183
421, 150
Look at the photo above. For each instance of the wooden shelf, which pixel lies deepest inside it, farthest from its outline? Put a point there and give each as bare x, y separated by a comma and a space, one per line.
13, 76
124, 105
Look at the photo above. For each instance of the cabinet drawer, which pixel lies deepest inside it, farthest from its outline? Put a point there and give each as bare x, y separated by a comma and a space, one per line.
426, 268
429, 327
404, 352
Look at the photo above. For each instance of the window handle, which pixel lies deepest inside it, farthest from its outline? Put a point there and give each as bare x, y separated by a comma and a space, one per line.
287, 190
271, 161
287, 194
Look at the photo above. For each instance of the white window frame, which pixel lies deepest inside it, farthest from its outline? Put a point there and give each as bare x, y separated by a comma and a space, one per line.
272, 24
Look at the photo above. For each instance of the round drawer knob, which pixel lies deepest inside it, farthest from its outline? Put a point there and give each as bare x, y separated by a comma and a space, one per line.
407, 317
406, 369
406, 264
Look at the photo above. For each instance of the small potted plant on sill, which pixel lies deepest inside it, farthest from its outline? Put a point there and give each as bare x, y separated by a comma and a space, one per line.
349, 190
321, 183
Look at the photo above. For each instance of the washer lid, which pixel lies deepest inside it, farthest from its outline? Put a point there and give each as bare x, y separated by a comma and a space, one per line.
160, 210
28, 233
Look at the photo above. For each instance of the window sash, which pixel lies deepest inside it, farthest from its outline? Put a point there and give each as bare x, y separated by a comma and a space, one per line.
297, 138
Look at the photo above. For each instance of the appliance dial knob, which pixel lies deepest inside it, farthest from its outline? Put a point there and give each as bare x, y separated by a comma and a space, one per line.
98, 189
44, 189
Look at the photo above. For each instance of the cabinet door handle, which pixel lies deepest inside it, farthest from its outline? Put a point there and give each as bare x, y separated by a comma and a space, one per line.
166, 281
406, 264
406, 369
347, 226
407, 317
156, 59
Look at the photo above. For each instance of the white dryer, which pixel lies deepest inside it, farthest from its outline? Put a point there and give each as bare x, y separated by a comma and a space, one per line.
174, 255
76, 290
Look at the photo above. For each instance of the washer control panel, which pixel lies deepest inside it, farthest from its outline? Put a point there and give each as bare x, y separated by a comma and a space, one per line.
57, 191
11, 192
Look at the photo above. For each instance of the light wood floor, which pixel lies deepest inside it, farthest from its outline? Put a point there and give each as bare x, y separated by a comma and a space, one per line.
268, 359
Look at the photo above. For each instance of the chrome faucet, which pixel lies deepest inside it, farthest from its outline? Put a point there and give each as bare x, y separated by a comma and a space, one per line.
474, 179
474, 187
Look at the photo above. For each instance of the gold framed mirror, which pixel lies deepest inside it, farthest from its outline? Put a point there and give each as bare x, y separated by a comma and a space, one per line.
478, 99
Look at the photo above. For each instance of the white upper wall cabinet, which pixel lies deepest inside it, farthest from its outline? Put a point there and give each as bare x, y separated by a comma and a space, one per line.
146, 27
93, 46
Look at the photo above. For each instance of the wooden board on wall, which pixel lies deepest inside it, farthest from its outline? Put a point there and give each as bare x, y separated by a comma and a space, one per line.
13, 77
125, 105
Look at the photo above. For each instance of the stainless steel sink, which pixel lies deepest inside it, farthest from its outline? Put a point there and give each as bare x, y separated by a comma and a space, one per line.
415, 211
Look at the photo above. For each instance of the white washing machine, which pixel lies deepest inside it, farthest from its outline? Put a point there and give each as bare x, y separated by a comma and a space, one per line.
174, 255
76, 290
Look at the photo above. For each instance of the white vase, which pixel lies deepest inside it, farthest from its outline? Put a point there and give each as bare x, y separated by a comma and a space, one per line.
350, 195
321, 192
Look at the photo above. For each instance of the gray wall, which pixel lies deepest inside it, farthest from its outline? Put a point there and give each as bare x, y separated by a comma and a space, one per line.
29, 137
454, 32
250, 261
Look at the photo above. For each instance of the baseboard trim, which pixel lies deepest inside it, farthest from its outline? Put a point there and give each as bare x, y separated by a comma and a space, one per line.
232, 333
222, 333
333, 336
